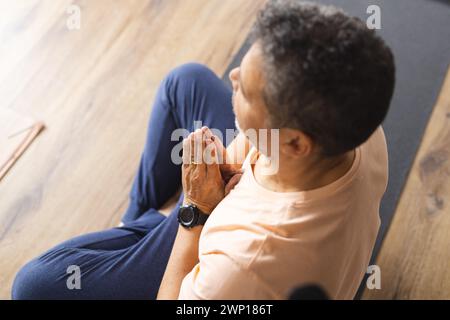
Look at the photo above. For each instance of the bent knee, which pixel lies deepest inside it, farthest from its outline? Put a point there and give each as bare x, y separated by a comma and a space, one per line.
36, 280
191, 71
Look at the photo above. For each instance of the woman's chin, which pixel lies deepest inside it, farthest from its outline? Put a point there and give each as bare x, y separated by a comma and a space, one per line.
236, 123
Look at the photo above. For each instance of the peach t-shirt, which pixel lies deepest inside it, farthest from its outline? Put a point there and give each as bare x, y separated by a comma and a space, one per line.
260, 244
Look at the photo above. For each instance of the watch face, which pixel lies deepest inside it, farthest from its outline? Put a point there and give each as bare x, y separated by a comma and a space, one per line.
187, 216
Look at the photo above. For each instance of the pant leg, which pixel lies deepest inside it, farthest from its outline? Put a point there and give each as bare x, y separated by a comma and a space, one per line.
108, 267
129, 262
189, 93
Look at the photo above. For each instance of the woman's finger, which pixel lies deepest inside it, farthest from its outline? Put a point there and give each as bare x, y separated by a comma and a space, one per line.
212, 168
221, 150
228, 171
199, 145
187, 150
232, 183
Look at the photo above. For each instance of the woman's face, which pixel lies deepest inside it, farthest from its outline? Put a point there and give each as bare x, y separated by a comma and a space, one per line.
247, 82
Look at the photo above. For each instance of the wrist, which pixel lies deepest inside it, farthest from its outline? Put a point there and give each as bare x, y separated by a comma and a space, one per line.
202, 207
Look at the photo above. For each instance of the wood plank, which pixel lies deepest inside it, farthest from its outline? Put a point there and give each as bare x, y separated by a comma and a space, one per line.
93, 88
415, 256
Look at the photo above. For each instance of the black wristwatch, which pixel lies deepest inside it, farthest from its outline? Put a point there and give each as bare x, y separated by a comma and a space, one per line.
190, 216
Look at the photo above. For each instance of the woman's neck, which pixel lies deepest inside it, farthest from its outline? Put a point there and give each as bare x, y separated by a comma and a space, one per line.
293, 176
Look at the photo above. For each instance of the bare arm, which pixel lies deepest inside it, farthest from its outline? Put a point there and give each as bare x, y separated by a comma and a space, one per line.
206, 189
183, 258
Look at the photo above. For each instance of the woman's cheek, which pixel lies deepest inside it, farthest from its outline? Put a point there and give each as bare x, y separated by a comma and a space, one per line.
238, 106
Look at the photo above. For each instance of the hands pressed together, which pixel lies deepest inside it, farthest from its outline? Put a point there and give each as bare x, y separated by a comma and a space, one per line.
206, 176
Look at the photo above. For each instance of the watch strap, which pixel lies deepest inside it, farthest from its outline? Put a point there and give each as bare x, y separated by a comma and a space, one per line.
202, 217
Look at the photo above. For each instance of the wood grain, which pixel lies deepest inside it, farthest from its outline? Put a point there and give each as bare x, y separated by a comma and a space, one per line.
93, 88
415, 256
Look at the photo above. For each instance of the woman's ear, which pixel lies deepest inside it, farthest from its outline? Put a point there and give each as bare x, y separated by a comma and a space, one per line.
295, 143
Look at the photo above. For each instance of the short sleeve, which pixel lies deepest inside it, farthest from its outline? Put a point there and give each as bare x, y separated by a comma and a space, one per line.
218, 277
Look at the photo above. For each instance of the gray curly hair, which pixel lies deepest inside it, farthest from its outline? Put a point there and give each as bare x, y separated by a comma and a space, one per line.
326, 73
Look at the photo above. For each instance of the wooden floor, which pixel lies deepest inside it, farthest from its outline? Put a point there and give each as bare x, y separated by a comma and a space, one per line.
415, 256
93, 87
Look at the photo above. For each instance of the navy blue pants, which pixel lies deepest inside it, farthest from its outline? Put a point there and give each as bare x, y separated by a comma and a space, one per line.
129, 262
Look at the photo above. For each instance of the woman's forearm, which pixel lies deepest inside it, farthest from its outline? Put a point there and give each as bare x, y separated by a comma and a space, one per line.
182, 260
203, 187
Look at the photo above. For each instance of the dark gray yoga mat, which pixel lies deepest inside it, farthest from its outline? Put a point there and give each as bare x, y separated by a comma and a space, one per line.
418, 31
